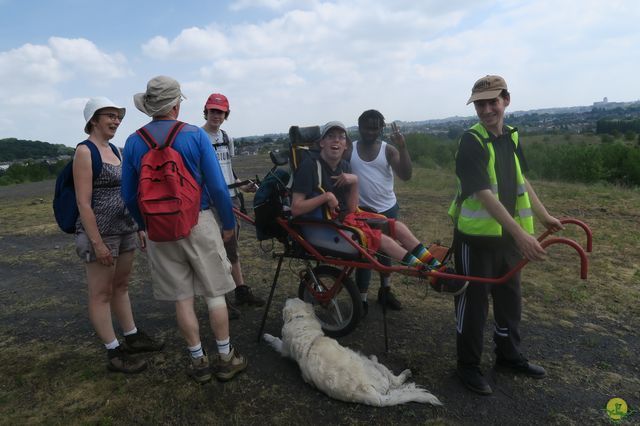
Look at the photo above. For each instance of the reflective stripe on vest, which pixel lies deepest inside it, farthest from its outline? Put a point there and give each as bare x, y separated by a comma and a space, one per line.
470, 215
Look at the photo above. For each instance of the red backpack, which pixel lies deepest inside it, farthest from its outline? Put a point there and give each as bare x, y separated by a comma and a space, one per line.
168, 195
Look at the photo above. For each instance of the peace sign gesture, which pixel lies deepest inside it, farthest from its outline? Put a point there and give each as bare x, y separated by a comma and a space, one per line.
396, 136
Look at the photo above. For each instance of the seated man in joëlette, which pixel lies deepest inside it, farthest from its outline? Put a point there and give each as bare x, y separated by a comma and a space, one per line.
338, 193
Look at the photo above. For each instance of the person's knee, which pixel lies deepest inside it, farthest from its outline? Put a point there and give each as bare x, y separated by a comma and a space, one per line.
216, 302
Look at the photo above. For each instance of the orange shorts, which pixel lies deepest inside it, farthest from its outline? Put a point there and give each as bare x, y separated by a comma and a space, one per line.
359, 220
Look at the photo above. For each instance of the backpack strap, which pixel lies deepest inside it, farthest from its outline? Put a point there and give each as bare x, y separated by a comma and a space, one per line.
325, 210
96, 159
171, 136
225, 140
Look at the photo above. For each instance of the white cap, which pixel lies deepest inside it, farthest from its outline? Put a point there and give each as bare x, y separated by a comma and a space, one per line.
95, 104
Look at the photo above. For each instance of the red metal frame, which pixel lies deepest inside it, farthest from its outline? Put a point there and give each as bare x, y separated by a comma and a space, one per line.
369, 261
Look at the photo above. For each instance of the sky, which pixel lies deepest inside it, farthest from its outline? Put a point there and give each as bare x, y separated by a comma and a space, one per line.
306, 62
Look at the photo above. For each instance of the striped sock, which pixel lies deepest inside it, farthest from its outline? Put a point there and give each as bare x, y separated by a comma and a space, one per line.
224, 346
196, 351
425, 256
410, 260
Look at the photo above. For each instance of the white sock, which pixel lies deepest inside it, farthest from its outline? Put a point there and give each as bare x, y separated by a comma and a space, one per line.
112, 345
196, 351
363, 296
224, 346
134, 330
386, 282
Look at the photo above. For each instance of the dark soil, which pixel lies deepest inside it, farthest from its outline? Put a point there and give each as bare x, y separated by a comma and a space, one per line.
44, 328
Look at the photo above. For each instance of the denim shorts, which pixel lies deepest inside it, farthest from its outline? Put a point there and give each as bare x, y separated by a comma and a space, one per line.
116, 243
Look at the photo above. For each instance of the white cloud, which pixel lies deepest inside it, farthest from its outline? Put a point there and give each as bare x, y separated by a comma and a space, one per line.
85, 57
284, 62
191, 44
31, 73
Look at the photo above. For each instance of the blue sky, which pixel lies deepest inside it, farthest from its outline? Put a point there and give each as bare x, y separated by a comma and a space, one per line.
284, 62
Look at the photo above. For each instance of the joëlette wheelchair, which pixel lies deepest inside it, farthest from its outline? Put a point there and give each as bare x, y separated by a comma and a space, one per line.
331, 252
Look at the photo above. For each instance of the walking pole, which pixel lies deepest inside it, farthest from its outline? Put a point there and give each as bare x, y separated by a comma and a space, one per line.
385, 291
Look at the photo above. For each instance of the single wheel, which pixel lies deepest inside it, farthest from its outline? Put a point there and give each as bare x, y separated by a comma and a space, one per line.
339, 314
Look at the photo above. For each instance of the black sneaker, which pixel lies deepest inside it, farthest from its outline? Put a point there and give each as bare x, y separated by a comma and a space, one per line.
234, 313
122, 362
141, 342
472, 379
198, 369
365, 308
452, 286
244, 295
386, 296
521, 366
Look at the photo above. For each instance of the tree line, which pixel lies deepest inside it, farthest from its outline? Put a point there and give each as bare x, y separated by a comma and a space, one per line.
12, 149
614, 160
617, 161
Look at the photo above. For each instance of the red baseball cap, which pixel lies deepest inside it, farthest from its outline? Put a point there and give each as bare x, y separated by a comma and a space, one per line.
217, 101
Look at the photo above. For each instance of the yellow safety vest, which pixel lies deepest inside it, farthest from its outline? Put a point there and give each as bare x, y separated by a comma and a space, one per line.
470, 216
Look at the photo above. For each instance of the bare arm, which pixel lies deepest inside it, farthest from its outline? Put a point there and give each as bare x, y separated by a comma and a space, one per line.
83, 182
398, 155
529, 247
301, 205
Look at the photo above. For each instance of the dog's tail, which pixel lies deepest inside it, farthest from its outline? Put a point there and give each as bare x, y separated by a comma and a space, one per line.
408, 392
275, 342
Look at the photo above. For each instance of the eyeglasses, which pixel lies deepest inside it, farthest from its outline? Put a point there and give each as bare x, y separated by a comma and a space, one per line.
112, 116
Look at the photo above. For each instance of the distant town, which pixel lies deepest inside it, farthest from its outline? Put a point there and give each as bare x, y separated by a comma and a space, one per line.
568, 120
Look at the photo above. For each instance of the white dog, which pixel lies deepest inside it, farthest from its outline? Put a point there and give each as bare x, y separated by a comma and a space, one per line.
338, 371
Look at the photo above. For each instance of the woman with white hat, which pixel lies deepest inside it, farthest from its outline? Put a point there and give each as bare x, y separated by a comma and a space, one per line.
106, 237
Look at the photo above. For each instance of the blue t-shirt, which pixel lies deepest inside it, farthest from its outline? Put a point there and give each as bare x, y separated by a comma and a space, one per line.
199, 157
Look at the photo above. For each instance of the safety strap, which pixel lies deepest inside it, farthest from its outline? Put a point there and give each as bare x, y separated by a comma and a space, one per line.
171, 136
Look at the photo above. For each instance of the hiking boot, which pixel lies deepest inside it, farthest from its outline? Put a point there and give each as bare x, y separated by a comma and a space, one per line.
244, 295
122, 362
228, 366
452, 286
521, 366
141, 342
385, 296
234, 313
198, 369
472, 379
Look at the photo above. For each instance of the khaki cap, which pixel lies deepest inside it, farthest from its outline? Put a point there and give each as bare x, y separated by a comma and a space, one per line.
488, 87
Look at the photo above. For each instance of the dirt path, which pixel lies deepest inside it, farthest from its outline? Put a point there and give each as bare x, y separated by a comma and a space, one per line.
53, 368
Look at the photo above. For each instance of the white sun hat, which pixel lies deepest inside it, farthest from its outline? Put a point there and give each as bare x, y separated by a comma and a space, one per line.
94, 105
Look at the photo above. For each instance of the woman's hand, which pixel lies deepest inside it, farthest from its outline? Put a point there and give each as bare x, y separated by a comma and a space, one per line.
103, 254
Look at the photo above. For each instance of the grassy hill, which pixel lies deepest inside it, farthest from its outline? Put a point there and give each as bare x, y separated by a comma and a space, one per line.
584, 332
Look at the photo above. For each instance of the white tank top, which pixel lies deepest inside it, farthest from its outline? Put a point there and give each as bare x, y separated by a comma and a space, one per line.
375, 180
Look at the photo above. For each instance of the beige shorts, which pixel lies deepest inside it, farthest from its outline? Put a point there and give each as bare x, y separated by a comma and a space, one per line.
194, 266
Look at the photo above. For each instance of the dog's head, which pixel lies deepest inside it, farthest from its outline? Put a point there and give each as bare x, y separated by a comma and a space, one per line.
296, 308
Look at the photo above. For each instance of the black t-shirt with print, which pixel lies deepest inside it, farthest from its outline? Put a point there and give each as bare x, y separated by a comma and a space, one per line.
305, 180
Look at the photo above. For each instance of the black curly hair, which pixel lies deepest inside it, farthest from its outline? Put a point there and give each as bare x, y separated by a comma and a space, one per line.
371, 116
